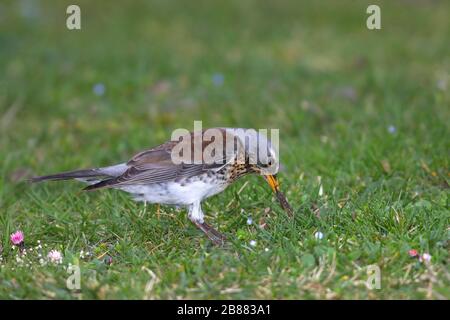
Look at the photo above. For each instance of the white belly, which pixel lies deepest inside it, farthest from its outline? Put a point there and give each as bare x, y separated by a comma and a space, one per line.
174, 192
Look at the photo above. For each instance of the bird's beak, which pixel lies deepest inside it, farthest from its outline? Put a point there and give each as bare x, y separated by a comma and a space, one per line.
273, 183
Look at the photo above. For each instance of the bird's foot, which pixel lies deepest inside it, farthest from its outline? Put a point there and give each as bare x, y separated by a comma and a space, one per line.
215, 236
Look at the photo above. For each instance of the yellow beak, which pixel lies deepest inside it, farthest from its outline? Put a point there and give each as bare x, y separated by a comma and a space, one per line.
273, 183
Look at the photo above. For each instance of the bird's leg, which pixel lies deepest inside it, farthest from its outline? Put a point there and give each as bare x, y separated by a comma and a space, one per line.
196, 216
215, 236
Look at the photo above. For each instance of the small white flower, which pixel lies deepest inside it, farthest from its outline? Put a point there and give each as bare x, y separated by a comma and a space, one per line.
266, 249
318, 235
249, 220
253, 243
426, 258
55, 256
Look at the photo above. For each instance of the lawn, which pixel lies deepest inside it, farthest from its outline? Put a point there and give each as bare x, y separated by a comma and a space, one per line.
364, 143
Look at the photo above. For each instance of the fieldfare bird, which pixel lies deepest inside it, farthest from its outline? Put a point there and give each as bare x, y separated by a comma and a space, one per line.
187, 170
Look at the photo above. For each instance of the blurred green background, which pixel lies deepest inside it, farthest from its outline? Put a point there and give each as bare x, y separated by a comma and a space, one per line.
366, 110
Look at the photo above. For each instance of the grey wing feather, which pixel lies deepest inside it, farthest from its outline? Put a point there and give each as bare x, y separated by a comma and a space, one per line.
156, 166
156, 174
153, 175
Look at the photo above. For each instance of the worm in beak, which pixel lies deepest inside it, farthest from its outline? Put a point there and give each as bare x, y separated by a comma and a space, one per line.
274, 185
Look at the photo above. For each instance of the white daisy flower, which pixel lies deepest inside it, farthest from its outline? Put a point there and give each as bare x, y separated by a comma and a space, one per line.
55, 256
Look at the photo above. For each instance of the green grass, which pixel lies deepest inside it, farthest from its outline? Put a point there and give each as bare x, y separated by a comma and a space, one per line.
310, 68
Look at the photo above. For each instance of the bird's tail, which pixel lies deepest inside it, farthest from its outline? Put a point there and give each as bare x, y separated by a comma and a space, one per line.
76, 174
85, 174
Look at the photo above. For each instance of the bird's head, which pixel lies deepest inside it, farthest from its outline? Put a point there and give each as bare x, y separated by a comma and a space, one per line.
261, 154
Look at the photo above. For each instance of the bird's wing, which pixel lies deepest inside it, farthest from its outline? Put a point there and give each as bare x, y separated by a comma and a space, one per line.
156, 166
158, 174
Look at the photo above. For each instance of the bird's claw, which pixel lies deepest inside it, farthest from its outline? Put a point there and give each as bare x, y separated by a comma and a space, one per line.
215, 236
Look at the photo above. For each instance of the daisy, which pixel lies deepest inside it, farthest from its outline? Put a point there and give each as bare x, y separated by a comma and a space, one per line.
55, 256
17, 238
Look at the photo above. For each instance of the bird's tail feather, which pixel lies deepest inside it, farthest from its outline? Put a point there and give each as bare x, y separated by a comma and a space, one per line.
100, 184
99, 177
76, 174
